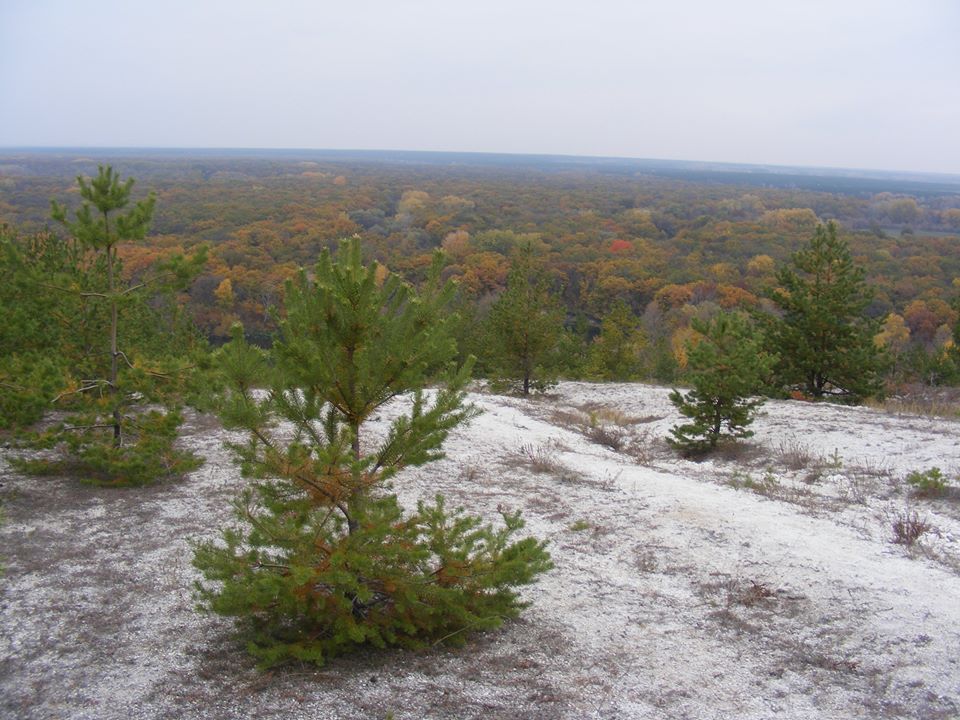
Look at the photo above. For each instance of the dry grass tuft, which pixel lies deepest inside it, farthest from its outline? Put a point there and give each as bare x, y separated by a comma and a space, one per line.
567, 419
539, 458
543, 459
610, 428
610, 436
794, 454
920, 400
603, 415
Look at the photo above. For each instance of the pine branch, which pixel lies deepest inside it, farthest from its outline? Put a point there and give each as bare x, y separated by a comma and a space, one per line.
148, 281
72, 428
85, 388
465, 628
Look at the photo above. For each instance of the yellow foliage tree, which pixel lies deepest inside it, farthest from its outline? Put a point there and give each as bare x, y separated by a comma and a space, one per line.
224, 293
894, 335
681, 342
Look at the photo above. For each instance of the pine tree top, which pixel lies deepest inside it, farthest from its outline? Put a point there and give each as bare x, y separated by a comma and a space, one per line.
106, 193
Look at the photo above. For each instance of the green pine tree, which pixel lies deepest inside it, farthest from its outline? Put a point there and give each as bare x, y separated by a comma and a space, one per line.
97, 227
615, 352
122, 404
727, 368
575, 347
824, 340
34, 346
467, 329
324, 559
525, 329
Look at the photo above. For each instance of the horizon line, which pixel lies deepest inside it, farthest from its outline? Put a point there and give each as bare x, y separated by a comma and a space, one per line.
251, 149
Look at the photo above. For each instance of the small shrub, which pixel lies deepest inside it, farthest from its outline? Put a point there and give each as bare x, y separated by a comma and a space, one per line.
580, 525
928, 483
908, 527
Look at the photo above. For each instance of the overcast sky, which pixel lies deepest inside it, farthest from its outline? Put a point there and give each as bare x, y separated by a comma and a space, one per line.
842, 83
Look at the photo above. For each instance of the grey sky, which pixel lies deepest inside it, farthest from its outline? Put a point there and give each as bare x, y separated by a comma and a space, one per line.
844, 83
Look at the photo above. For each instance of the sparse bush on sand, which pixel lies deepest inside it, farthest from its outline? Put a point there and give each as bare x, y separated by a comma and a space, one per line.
928, 483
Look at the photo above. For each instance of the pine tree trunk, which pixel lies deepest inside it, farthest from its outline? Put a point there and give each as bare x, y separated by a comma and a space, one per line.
352, 524
527, 364
114, 354
717, 424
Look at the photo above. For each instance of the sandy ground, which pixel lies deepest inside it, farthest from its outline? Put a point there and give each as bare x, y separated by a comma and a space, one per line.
763, 583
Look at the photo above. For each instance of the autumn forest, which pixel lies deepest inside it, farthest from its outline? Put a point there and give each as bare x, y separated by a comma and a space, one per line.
667, 242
